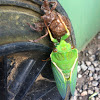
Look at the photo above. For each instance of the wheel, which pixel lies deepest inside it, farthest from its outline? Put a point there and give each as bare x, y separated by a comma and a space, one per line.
24, 76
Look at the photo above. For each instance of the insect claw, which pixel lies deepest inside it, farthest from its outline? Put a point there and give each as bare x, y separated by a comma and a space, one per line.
46, 59
35, 41
31, 40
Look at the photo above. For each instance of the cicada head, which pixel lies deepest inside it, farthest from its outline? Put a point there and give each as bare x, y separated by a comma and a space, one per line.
63, 47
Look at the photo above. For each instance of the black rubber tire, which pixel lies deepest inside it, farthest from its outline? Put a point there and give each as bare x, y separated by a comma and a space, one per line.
23, 74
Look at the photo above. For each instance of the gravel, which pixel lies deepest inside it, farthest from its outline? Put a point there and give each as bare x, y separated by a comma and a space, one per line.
79, 69
90, 92
95, 76
92, 58
88, 81
97, 69
83, 66
90, 52
88, 63
79, 75
95, 83
85, 87
90, 74
95, 63
97, 89
91, 68
91, 78
92, 98
84, 93
98, 77
99, 37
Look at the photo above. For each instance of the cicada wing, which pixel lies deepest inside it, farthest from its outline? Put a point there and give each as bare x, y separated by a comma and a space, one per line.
73, 79
61, 83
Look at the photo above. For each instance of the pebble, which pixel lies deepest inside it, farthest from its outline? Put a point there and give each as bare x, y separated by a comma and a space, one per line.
75, 92
96, 89
90, 74
90, 52
86, 72
99, 37
86, 54
84, 87
95, 63
97, 98
88, 63
92, 58
79, 75
90, 92
91, 68
97, 69
94, 83
98, 77
99, 95
79, 69
79, 62
84, 93
83, 66
80, 91
95, 77
80, 98
91, 78
90, 84
73, 97
92, 98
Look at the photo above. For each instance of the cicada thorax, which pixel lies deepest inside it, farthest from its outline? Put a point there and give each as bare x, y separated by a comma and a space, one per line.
49, 17
57, 28
61, 62
63, 68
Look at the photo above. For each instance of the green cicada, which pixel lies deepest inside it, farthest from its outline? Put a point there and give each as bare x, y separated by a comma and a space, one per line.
64, 61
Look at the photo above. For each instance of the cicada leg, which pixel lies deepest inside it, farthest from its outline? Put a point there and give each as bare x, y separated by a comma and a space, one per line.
54, 6
46, 59
51, 37
64, 37
39, 38
38, 27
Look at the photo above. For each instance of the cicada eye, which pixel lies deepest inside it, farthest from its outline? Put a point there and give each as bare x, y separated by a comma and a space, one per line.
72, 47
55, 50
